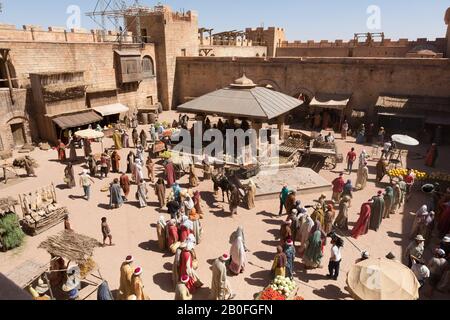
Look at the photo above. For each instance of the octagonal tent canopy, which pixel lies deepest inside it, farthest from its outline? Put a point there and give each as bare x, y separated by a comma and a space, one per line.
242, 99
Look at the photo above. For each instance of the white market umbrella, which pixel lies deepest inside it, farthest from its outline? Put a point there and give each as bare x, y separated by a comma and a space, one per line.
382, 279
405, 140
90, 134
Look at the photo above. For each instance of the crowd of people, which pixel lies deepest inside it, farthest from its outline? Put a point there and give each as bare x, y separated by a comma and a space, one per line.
303, 234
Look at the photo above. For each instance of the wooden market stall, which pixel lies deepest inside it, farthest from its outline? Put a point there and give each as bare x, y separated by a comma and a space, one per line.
41, 211
76, 250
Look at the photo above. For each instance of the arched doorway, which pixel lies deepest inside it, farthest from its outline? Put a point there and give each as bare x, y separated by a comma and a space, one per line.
17, 127
302, 117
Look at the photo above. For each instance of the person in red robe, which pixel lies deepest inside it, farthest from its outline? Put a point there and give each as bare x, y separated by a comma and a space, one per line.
186, 269
61, 149
125, 184
362, 225
432, 154
170, 174
444, 222
186, 228
172, 233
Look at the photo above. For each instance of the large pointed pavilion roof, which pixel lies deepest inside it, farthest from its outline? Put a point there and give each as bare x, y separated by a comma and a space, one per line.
242, 99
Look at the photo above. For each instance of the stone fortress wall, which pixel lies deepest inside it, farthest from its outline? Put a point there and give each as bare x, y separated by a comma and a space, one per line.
339, 48
364, 79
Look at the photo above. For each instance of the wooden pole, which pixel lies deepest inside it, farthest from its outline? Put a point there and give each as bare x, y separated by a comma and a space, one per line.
4, 53
49, 286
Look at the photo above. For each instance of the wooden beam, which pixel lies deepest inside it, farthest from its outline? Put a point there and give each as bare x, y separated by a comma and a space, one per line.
4, 53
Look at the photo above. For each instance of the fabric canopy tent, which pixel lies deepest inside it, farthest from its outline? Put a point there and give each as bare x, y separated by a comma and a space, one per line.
405, 140
90, 134
77, 119
242, 99
110, 109
330, 104
382, 279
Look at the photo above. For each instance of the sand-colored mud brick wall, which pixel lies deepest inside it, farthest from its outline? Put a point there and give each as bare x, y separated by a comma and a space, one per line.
364, 79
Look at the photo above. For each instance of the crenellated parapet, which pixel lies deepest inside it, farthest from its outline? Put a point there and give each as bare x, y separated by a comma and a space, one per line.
34, 33
352, 43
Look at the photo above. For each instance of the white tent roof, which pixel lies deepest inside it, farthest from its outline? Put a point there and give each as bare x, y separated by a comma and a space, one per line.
331, 104
110, 109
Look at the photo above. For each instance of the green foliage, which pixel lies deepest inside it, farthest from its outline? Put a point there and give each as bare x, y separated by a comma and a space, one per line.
11, 234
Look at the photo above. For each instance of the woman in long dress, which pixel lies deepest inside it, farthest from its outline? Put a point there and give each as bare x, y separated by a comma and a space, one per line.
193, 179
172, 235
250, 195
312, 257
61, 149
117, 138
150, 168
69, 176
138, 172
143, 139
161, 232
125, 140
160, 191
235, 199
135, 136
125, 185
388, 202
186, 228
73, 151
279, 263
362, 225
305, 232
238, 256
131, 158
198, 204
330, 214
87, 145
432, 155
341, 221
92, 164
115, 162
363, 175
187, 268
142, 194
318, 215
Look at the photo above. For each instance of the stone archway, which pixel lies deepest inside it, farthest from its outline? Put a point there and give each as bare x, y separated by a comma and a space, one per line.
304, 94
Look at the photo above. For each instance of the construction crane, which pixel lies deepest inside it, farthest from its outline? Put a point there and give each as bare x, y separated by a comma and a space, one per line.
112, 11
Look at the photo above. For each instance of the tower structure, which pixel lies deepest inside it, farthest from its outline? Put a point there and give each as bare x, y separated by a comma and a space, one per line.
175, 34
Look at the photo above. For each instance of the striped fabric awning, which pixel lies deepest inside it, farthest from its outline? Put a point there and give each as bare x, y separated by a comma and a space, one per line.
77, 120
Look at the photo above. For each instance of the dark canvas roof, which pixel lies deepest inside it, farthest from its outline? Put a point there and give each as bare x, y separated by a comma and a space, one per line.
77, 119
254, 103
434, 104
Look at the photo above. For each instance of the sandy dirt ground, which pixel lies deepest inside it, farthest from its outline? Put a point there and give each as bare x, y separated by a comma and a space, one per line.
134, 230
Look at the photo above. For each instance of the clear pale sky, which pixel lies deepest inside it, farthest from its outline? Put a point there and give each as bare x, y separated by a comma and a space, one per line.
302, 19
